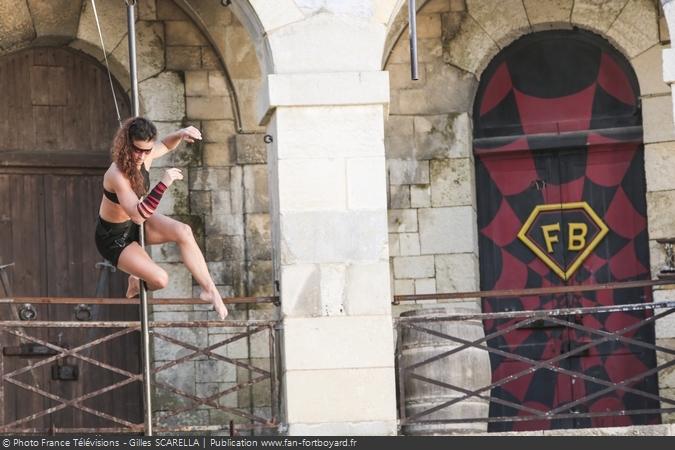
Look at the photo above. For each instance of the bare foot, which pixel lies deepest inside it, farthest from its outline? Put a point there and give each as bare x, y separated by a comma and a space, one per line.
134, 287
214, 298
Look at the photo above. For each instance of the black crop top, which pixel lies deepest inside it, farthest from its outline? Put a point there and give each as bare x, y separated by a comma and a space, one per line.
146, 181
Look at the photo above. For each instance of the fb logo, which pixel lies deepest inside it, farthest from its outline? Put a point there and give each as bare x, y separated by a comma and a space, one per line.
563, 235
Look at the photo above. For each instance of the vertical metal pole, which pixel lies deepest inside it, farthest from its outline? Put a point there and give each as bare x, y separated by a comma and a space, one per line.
412, 34
147, 385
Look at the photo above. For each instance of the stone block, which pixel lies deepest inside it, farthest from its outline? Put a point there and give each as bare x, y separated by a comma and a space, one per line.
163, 97
503, 21
471, 47
260, 278
175, 200
366, 183
200, 202
233, 248
209, 108
597, 15
251, 149
259, 393
425, 286
394, 244
443, 136
215, 248
247, 92
428, 26
258, 238
399, 196
55, 18
147, 10
660, 213
665, 327
352, 236
353, 131
457, 273
166, 351
543, 12
667, 375
256, 197
301, 290
149, 50
406, 267
228, 224
636, 28
371, 395
208, 390
657, 113
337, 342
651, 80
409, 244
399, 142
420, 195
452, 182
404, 287
408, 171
239, 53
333, 280
218, 130
312, 184
435, 6
168, 10
448, 230
183, 33
218, 155
216, 82
400, 77
183, 58
659, 158
165, 253
221, 201
208, 179
110, 18
196, 83
367, 290
402, 220
236, 189
180, 282
215, 371
227, 273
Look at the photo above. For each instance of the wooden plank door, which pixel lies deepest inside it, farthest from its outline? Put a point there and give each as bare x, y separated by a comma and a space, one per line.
58, 119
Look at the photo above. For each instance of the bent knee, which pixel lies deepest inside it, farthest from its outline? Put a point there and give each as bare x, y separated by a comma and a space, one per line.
184, 233
158, 280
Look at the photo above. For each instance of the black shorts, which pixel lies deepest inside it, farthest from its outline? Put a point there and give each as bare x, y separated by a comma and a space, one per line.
112, 238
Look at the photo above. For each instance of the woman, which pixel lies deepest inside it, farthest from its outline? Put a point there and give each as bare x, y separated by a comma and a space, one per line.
128, 201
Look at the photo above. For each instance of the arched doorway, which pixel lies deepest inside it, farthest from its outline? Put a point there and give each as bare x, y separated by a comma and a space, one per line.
57, 119
561, 201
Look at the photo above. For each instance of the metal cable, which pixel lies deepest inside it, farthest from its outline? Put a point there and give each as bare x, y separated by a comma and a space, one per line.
105, 57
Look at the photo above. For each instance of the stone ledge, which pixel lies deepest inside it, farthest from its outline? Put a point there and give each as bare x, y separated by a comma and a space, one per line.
322, 89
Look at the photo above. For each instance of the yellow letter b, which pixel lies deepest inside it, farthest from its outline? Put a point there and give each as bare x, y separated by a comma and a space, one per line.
577, 236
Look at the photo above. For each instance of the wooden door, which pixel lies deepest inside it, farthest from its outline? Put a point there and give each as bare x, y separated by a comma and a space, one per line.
561, 201
59, 119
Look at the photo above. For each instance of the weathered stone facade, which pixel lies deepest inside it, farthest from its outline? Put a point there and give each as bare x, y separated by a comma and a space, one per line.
313, 215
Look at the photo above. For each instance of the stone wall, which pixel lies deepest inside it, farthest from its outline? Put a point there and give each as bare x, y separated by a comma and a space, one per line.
183, 67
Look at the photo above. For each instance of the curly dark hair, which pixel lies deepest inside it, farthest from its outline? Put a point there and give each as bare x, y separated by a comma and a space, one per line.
132, 129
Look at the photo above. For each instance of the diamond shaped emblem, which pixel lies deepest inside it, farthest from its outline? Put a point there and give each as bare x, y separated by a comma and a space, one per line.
563, 235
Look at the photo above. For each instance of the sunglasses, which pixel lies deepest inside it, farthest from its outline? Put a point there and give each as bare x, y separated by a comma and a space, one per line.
140, 150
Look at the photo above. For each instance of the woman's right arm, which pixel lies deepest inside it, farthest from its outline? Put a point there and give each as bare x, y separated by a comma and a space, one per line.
141, 210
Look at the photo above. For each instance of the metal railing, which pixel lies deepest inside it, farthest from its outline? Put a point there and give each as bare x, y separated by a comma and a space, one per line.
441, 335
165, 421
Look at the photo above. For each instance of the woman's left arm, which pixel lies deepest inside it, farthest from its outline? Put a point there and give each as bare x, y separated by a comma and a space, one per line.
171, 141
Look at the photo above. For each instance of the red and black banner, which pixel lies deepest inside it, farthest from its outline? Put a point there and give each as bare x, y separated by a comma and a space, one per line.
561, 201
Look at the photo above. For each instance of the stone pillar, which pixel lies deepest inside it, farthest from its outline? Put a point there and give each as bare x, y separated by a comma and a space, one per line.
329, 226
669, 53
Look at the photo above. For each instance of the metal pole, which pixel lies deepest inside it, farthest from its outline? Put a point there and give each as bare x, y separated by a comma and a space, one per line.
147, 387
412, 34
